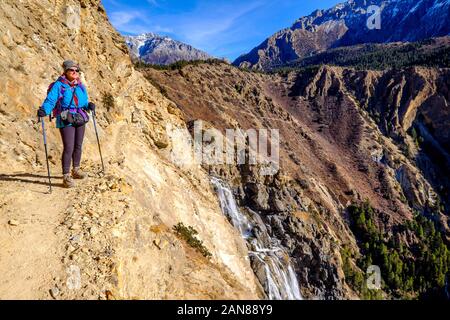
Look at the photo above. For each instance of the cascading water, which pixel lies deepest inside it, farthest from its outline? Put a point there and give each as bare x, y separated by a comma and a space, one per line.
269, 259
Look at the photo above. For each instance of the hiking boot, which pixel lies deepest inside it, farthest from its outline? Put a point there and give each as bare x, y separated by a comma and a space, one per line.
78, 174
68, 181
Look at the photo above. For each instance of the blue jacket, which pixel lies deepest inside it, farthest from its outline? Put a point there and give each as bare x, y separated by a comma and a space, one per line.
61, 91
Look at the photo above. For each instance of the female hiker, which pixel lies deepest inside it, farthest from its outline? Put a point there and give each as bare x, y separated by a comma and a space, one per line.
67, 97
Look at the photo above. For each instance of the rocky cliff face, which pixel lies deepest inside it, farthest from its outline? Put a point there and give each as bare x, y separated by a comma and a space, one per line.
154, 49
111, 236
345, 137
347, 24
411, 106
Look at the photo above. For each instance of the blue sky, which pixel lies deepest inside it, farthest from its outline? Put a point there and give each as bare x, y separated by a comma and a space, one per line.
223, 28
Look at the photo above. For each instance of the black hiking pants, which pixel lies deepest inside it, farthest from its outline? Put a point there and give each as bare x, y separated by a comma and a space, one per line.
73, 142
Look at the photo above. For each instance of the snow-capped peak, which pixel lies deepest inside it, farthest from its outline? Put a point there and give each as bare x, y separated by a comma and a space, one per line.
157, 49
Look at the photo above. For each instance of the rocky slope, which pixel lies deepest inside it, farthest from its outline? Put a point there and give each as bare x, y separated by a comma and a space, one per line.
111, 237
154, 49
346, 24
345, 137
433, 52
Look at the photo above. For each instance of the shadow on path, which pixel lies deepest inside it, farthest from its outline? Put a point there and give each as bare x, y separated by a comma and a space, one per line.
20, 177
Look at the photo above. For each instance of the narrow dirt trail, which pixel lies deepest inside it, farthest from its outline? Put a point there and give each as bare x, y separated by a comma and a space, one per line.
31, 251
43, 235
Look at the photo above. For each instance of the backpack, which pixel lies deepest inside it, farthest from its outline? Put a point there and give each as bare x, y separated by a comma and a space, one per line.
58, 109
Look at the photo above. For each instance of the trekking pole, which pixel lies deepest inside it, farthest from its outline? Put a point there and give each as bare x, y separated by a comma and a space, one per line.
46, 153
98, 141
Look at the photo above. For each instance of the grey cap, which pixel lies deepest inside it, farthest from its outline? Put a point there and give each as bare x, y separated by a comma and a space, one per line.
69, 64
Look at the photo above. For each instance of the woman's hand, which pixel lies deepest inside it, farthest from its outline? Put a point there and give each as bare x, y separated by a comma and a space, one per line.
91, 106
41, 113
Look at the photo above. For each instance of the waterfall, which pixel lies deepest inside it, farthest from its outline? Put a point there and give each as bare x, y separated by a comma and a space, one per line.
269, 259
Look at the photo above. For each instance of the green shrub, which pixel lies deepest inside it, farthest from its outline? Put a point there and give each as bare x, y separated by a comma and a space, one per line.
189, 234
407, 270
355, 278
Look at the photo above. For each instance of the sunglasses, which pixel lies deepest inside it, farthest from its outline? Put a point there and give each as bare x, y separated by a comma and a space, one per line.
74, 70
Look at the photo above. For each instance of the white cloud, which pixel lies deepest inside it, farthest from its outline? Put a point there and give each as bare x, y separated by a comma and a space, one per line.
209, 22
158, 28
220, 27
120, 19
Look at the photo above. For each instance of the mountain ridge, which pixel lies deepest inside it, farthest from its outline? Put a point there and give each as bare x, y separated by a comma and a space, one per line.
432, 52
346, 24
152, 48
